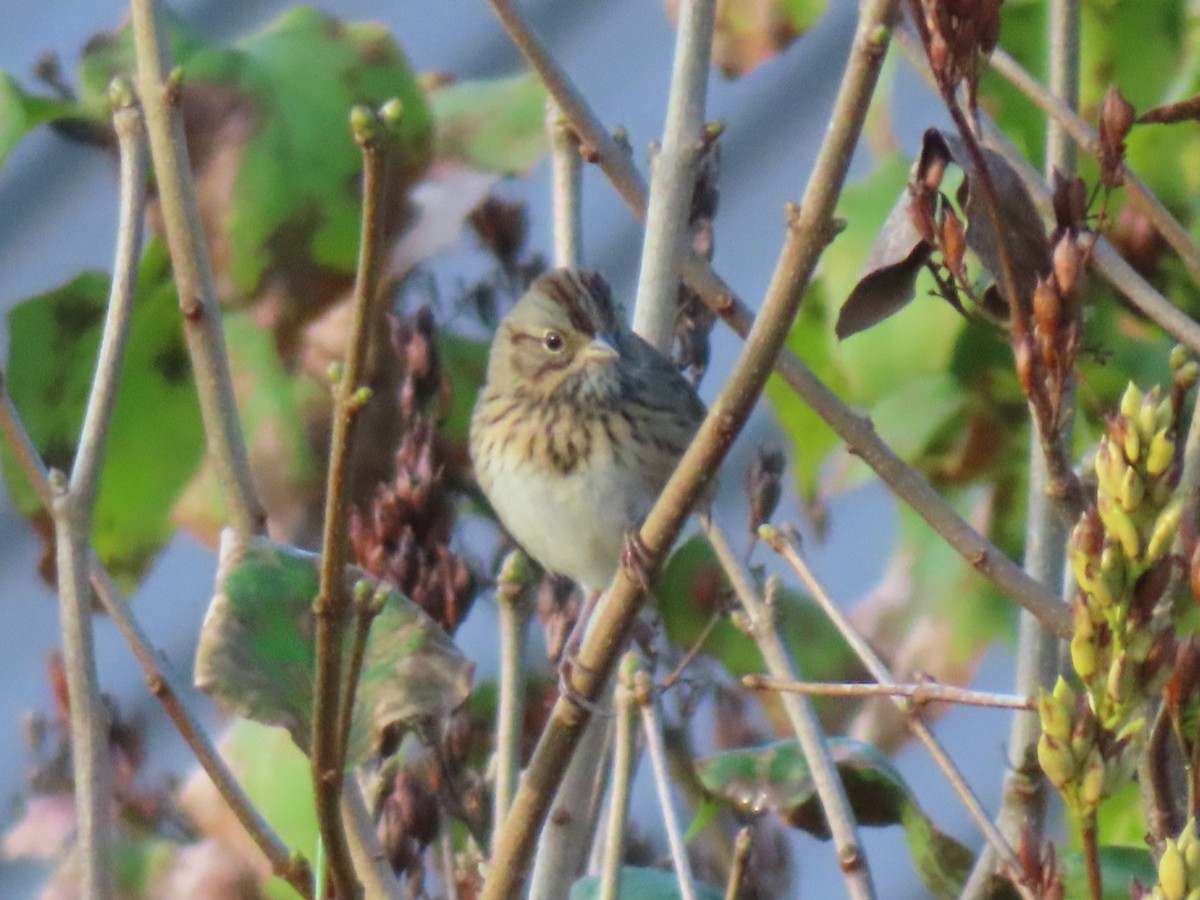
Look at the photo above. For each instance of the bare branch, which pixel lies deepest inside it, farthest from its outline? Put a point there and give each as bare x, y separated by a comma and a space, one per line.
643, 691
624, 763
774, 538
802, 716
566, 171
674, 177
332, 605
160, 93
742, 846
515, 610
920, 693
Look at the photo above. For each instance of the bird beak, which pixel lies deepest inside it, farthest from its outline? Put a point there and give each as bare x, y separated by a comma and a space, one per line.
600, 350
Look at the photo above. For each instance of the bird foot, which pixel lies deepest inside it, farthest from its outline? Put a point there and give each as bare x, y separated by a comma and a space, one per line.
635, 557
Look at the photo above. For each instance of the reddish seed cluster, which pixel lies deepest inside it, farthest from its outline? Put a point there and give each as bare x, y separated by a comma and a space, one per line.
959, 34
1116, 118
405, 537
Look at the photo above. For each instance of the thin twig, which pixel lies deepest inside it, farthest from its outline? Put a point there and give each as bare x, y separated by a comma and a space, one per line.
160, 681
920, 693
1141, 197
801, 715
1023, 798
89, 718
775, 539
367, 605
810, 229
566, 183
1104, 257
514, 610
742, 845
332, 604
624, 762
71, 505
370, 862
857, 432
160, 95
674, 177
1089, 837
643, 691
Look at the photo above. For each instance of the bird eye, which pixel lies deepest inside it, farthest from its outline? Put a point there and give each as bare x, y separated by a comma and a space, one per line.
553, 341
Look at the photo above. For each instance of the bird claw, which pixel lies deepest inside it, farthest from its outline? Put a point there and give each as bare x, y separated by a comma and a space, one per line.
635, 557
568, 662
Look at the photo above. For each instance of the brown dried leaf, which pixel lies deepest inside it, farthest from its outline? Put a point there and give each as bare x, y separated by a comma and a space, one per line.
1024, 232
890, 278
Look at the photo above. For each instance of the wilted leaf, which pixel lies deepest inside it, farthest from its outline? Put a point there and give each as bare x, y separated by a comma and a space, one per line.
257, 656
497, 125
155, 441
21, 112
890, 278
776, 778
643, 884
278, 171
748, 33
1024, 232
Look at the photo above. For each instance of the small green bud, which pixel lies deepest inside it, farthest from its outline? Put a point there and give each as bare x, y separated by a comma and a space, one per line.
1161, 452
1091, 785
1133, 444
1132, 490
1056, 761
1083, 656
1179, 357
1119, 526
1055, 715
391, 112
1166, 526
1130, 401
1172, 872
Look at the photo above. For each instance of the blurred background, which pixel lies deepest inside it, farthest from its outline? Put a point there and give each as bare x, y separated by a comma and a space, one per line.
57, 217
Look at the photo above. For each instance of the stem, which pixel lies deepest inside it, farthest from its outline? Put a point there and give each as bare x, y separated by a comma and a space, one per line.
332, 604
786, 549
857, 431
803, 718
652, 727
1022, 815
742, 846
674, 178
192, 268
88, 716
160, 681
624, 763
367, 605
1081, 133
922, 693
566, 171
514, 617
809, 231
1091, 856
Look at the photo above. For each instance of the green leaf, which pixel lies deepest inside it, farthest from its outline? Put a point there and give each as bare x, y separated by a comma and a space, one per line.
155, 441
21, 112
1119, 866
775, 777
497, 125
257, 655
690, 588
280, 99
642, 884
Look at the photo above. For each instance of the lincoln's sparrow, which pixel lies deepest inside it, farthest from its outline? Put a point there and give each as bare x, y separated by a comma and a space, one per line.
578, 427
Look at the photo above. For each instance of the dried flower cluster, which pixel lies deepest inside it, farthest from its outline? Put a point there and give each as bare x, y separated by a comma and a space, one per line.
1124, 640
405, 538
958, 36
1116, 119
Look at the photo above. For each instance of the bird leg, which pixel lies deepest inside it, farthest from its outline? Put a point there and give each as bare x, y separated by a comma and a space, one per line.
570, 655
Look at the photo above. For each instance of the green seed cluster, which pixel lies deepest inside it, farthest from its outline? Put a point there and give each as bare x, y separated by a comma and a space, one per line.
1120, 553
1179, 868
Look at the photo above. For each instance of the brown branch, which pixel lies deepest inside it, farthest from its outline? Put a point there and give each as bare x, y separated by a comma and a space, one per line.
857, 431
192, 268
809, 230
331, 607
742, 846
